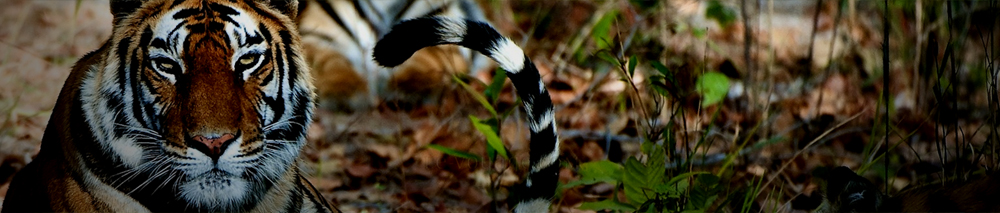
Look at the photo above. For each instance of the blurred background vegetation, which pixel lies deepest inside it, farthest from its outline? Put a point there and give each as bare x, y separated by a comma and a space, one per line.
673, 105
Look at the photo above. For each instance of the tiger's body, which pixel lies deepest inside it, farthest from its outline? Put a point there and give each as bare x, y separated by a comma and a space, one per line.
202, 105
191, 105
338, 36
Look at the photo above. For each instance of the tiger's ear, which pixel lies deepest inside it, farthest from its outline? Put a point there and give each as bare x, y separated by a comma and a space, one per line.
288, 7
122, 8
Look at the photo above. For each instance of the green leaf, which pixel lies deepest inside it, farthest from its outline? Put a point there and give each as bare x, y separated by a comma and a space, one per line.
602, 30
667, 74
708, 179
492, 139
664, 189
699, 32
646, 147
607, 205
632, 61
479, 97
597, 172
606, 56
722, 14
713, 87
657, 83
601, 171
693, 211
684, 176
648, 207
678, 188
705, 191
454, 152
493, 90
641, 179
635, 181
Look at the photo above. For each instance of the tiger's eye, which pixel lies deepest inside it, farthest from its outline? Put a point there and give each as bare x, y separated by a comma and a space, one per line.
248, 59
165, 66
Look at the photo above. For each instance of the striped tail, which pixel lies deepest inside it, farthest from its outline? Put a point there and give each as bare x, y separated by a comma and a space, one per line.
409, 36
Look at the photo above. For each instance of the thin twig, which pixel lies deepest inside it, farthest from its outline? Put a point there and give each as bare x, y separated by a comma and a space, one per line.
811, 143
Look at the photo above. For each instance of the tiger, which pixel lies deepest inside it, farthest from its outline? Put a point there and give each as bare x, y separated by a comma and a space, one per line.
338, 36
190, 105
409, 36
847, 191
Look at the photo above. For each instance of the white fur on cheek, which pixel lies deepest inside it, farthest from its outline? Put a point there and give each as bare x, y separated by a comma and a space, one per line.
124, 149
128, 151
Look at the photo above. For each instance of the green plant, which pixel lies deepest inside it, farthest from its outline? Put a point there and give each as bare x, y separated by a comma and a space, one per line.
489, 127
660, 180
721, 13
646, 186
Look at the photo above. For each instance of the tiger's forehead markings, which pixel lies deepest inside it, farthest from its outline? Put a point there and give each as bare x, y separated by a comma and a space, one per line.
173, 30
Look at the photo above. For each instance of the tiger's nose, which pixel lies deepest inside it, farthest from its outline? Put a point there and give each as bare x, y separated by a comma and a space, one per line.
211, 146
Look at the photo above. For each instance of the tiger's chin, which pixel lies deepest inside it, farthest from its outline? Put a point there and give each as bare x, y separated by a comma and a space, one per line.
215, 191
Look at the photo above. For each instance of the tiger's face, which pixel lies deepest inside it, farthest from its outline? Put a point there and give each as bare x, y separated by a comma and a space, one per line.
206, 100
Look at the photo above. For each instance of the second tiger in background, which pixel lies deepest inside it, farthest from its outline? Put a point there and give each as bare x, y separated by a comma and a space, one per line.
338, 37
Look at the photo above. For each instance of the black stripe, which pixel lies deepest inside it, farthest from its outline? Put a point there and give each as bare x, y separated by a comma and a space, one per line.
276, 105
295, 204
155, 115
290, 55
480, 37
336, 18
225, 12
159, 43
364, 16
196, 29
381, 25
185, 13
270, 76
174, 38
274, 69
175, 3
264, 59
436, 11
265, 32
308, 189
404, 39
260, 11
114, 104
401, 11
122, 52
253, 151
255, 39
140, 107
226, 18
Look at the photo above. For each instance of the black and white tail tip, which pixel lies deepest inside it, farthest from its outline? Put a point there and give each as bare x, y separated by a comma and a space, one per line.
411, 35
